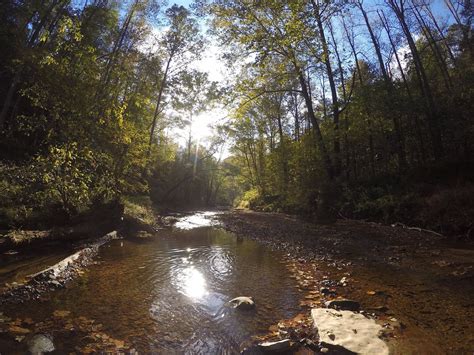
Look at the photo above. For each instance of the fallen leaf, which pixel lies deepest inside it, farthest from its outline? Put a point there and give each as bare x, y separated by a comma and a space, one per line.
61, 314
18, 330
119, 343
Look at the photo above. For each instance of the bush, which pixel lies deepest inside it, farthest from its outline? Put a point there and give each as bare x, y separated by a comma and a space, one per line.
53, 187
74, 178
250, 199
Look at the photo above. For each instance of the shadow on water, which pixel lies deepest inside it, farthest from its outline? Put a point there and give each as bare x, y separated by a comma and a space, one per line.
169, 293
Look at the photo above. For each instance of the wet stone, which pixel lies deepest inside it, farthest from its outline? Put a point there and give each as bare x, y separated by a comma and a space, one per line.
40, 344
243, 302
345, 305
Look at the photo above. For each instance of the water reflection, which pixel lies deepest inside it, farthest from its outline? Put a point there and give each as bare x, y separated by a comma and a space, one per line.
168, 294
200, 219
191, 282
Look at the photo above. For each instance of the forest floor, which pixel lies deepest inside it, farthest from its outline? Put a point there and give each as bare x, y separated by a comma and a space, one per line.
421, 280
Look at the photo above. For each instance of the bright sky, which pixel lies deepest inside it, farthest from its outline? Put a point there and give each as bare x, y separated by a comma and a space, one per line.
201, 127
202, 124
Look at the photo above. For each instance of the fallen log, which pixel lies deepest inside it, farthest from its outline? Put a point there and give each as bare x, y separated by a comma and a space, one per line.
55, 276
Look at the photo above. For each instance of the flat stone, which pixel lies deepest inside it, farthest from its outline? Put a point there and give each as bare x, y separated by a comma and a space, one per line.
349, 330
345, 305
275, 346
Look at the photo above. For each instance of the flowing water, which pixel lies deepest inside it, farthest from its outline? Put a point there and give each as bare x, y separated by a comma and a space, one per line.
169, 293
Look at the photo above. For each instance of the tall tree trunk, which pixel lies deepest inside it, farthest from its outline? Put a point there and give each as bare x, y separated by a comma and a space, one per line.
344, 97
416, 120
317, 131
297, 118
440, 33
389, 87
369, 120
282, 147
453, 11
117, 46
158, 101
332, 85
434, 48
432, 115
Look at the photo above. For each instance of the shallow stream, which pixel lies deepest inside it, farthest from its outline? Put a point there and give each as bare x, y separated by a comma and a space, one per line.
170, 292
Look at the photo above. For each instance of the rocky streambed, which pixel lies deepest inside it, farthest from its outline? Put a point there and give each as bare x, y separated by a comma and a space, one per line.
345, 288
168, 291
415, 285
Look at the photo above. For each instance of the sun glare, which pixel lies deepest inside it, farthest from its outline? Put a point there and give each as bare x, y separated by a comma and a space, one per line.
192, 283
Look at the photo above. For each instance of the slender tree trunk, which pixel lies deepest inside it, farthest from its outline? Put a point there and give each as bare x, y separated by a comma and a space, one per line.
452, 9
416, 120
297, 119
117, 46
433, 119
440, 33
344, 97
369, 120
332, 85
434, 48
282, 150
158, 102
317, 131
389, 87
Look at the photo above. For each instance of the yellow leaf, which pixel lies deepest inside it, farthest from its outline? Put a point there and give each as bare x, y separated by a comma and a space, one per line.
18, 330
61, 314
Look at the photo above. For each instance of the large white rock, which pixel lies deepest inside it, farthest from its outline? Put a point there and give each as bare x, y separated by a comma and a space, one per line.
350, 330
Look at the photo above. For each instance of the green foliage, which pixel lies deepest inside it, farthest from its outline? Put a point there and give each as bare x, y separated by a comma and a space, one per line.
73, 178
79, 91
139, 207
318, 130
250, 199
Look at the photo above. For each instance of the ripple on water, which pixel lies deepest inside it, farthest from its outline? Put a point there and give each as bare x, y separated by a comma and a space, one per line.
169, 294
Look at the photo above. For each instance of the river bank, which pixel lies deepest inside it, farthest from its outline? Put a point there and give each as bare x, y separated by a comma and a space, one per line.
416, 282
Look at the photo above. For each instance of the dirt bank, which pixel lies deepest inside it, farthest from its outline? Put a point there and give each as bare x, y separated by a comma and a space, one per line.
414, 278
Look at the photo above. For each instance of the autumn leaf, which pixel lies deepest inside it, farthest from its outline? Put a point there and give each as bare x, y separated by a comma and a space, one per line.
18, 330
61, 314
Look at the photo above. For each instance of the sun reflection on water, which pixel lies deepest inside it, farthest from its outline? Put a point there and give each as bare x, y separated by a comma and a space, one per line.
191, 282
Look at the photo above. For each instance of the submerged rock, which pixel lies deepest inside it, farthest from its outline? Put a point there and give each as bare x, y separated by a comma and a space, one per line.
350, 330
345, 305
40, 344
242, 302
275, 346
